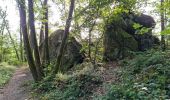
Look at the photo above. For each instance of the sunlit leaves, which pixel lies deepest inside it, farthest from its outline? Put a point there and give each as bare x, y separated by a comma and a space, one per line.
166, 31
136, 26
140, 29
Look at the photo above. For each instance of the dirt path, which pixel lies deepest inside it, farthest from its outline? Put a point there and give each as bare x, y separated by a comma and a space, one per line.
107, 75
17, 89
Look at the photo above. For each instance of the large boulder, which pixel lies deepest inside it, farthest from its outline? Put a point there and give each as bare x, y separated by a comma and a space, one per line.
117, 40
72, 54
145, 20
142, 19
145, 40
120, 35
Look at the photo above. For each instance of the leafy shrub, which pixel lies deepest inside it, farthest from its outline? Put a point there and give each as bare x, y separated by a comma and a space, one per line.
69, 87
6, 72
146, 77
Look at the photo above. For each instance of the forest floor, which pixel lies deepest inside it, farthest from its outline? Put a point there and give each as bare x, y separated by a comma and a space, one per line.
17, 88
107, 75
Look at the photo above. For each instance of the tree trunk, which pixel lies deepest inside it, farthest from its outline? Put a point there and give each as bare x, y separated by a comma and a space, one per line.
13, 43
96, 48
34, 40
162, 26
47, 58
22, 8
6, 25
64, 40
1, 42
21, 46
41, 35
90, 41
41, 44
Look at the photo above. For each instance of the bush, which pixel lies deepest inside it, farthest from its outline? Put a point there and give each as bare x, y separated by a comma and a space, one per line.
69, 87
146, 77
6, 72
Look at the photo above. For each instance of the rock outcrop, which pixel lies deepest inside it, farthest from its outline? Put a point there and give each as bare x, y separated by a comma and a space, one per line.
121, 36
72, 54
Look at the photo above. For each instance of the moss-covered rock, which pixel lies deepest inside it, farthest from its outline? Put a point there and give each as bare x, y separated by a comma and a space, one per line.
120, 35
117, 40
72, 54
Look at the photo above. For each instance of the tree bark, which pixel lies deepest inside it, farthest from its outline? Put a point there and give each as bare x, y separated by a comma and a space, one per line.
21, 46
47, 58
65, 37
162, 26
13, 43
41, 44
1, 42
41, 35
34, 40
90, 40
22, 8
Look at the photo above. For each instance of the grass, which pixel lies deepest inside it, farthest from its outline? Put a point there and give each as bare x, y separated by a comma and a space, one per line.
6, 72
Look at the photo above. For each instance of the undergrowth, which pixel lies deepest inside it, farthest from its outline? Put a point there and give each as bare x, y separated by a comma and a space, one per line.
75, 86
6, 72
146, 77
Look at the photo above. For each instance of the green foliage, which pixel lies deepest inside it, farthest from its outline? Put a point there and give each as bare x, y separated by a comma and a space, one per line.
15, 62
143, 78
136, 26
68, 88
9, 45
166, 31
140, 29
5, 73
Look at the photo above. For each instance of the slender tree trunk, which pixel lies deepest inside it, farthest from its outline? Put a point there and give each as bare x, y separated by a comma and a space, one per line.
41, 35
2, 41
34, 40
90, 41
162, 26
29, 55
41, 43
89, 46
12, 40
64, 40
21, 46
96, 48
47, 58
13, 43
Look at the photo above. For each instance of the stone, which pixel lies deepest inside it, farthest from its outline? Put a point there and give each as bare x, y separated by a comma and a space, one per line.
117, 40
145, 20
120, 35
72, 52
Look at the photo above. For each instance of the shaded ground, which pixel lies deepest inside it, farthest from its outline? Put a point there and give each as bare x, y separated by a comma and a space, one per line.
108, 76
17, 89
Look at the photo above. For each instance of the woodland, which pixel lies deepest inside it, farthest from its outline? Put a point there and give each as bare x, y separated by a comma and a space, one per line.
99, 50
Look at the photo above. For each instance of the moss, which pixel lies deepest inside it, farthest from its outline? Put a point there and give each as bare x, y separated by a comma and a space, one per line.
117, 41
